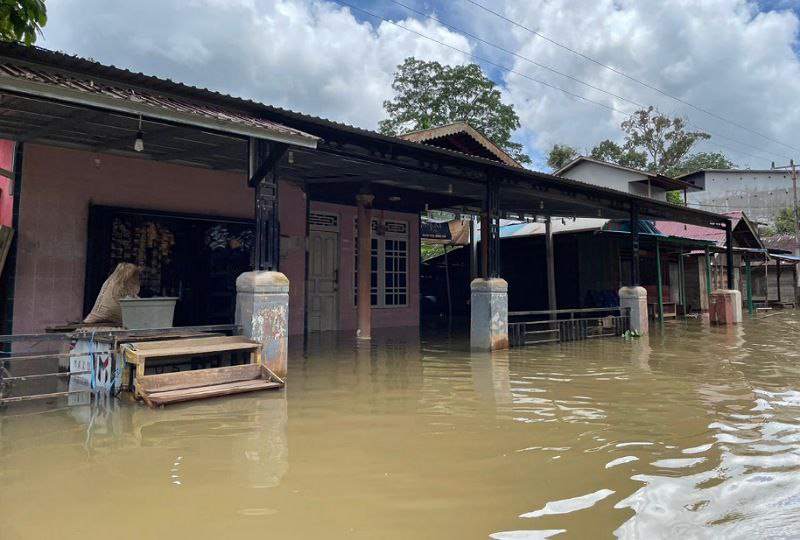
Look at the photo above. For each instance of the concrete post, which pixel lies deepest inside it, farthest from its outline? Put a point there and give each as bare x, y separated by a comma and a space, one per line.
262, 310
635, 299
363, 303
489, 314
725, 306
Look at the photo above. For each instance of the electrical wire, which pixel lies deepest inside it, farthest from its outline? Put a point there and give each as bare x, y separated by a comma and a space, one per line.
532, 79
580, 81
629, 77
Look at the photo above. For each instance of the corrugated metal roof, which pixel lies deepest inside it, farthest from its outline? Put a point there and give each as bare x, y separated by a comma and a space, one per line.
696, 232
35, 76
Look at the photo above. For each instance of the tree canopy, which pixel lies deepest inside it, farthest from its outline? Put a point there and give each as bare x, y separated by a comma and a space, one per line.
560, 155
784, 221
429, 94
21, 21
700, 161
657, 143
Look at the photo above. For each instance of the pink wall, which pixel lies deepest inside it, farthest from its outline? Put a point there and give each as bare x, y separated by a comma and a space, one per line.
381, 317
57, 188
6, 184
59, 185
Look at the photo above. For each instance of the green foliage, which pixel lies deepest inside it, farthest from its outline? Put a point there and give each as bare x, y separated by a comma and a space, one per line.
21, 21
765, 231
700, 161
429, 251
630, 334
784, 221
657, 143
626, 156
560, 155
428, 94
675, 197
662, 139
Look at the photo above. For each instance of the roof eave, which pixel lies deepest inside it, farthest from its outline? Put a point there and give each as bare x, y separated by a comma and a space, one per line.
42, 90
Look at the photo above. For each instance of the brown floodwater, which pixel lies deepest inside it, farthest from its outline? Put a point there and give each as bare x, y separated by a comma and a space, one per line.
693, 432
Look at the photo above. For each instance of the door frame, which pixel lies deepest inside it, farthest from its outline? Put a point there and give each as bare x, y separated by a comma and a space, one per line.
323, 222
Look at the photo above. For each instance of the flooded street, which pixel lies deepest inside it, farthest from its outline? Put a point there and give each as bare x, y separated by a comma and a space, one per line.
690, 433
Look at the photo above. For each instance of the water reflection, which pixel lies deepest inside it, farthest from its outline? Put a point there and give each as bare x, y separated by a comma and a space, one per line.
692, 431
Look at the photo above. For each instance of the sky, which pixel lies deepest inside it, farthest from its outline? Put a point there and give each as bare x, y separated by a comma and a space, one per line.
732, 64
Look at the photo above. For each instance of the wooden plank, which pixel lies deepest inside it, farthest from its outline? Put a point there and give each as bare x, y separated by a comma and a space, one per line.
44, 375
217, 390
198, 377
193, 350
170, 343
41, 396
6, 236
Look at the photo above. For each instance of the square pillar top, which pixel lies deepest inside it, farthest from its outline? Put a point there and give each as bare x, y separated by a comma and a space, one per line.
495, 285
262, 282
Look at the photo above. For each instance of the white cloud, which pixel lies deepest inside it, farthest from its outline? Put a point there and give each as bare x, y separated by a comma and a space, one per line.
310, 56
721, 55
315, 56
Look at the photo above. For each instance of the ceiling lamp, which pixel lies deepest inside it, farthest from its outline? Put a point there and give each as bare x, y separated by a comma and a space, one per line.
138, 144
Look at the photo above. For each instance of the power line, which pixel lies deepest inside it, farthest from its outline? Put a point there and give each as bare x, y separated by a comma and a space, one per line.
575, 79
507, 69
623, 74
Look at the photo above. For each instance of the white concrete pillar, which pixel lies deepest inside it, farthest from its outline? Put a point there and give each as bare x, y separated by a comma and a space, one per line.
489, 314
262, 310
725, 306
635, 299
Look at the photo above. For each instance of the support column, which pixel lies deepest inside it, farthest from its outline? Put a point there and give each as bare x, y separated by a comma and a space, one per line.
486, 232
749, 284
778, 272
659, 282
634, 225
729, 254
635, 299
551, 268
709, 288
489, 314
725, 307
363, 302
473, 250
262, 310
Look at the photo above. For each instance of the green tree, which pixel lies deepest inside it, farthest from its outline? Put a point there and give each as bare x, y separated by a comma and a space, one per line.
784, 221
662, 139
429, 94
700, 161
675, 197
21, 21
610, 151
560, 155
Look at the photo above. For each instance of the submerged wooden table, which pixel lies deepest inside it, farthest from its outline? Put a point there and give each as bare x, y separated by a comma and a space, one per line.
199, 383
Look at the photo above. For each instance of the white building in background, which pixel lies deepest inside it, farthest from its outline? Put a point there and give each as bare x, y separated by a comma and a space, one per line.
633, 181
759, 193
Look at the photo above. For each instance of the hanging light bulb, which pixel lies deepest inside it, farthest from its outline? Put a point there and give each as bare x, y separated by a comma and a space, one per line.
138, 144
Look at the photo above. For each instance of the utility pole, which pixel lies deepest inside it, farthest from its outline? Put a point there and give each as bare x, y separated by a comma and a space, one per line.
796, 225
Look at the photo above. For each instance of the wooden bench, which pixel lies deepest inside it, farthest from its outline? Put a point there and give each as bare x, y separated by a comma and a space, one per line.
166, 388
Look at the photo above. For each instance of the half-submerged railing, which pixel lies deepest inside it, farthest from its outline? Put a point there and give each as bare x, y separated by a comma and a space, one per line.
59, 361
534, 327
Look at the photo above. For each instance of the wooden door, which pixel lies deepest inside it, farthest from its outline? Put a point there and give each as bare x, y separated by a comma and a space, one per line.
323, 278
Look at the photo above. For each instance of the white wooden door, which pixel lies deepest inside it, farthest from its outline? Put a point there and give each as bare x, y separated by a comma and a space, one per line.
323, 277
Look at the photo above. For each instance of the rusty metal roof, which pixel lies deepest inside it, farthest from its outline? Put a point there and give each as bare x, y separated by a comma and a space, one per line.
136, 95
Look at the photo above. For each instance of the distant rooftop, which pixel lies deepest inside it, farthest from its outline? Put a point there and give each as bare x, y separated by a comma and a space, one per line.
461, 137
664, 182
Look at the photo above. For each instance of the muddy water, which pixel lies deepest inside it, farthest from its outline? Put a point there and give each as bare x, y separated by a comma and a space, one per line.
691, 433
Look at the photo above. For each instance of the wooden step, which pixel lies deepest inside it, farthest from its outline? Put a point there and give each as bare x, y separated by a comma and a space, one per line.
214, 390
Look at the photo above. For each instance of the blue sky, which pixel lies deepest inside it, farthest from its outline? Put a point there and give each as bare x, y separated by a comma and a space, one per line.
735, 58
